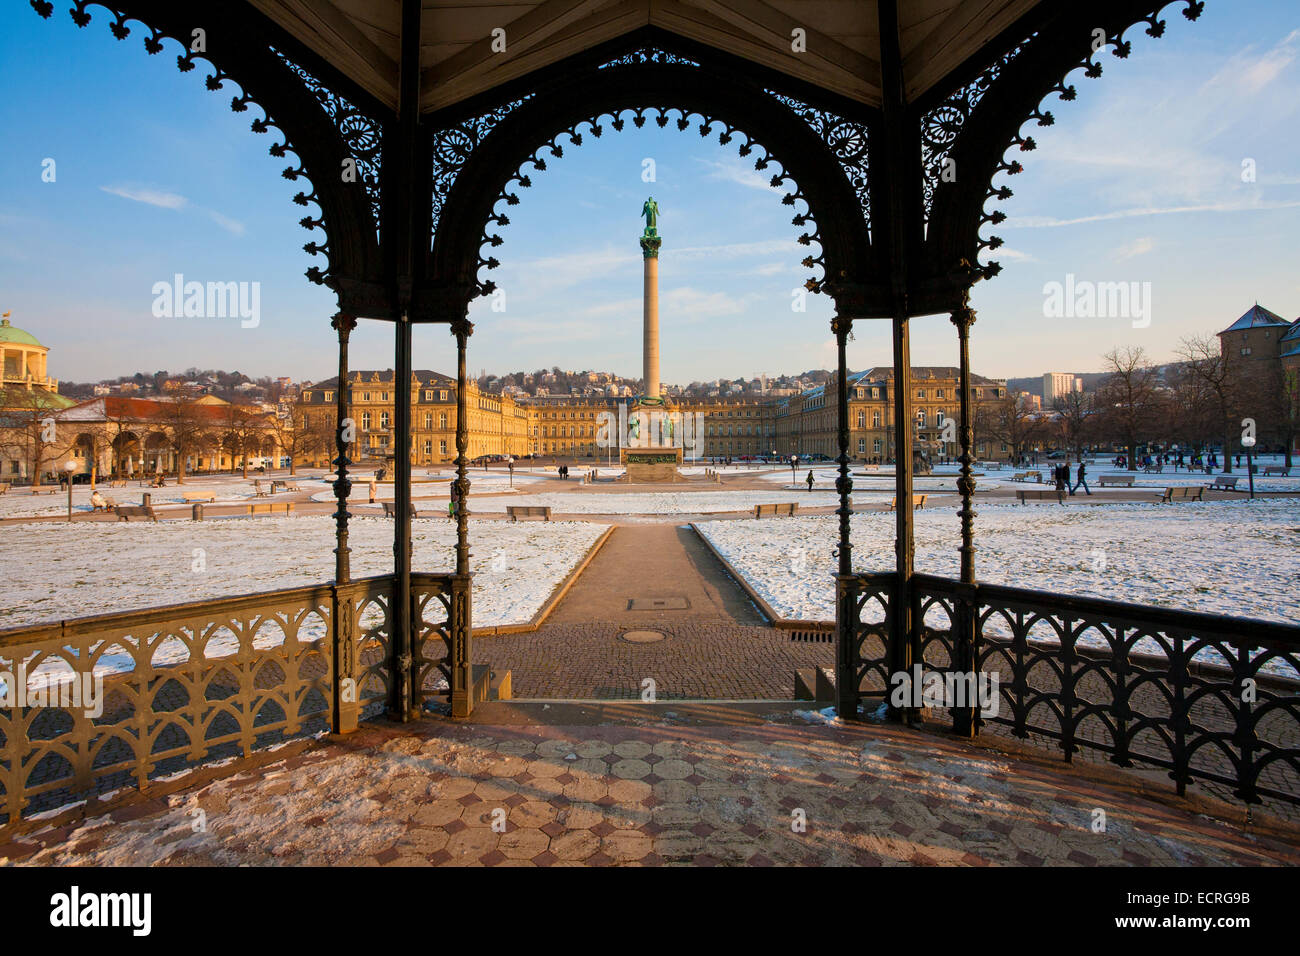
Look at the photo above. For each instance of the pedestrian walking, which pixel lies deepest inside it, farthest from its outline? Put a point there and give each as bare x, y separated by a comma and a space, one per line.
809, 479
1082, 482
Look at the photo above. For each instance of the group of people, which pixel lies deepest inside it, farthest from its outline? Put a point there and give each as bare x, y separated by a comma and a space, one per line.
563, 471
1061, 475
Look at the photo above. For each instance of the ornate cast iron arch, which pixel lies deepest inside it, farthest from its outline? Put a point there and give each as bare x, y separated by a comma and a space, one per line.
496, 152
320, 129
978, 125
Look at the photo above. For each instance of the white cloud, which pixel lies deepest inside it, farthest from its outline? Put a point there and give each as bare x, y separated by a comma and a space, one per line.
226, 223
733, 171
1048, 222
1138, 247
152, 197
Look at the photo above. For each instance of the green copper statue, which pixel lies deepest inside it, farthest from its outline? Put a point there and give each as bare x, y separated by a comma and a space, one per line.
651, 212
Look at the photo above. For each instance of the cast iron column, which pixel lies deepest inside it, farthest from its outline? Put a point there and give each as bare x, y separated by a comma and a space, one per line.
402, 696
846, 681
901, 147
344, 703
343, 430
964, 318
901, 633
966, 720
403, 143
462, 677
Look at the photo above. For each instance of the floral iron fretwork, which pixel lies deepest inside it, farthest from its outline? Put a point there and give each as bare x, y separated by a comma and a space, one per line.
847, 141
362, 135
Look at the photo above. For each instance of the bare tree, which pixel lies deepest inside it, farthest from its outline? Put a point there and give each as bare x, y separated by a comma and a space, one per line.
1013, 422
242, 427
1072, 420
1209, 365
302, 434
1129, 396
187, 428
29, 429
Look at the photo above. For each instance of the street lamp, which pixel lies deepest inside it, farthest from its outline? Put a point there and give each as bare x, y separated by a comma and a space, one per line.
1248, 442
70, 466
510, 464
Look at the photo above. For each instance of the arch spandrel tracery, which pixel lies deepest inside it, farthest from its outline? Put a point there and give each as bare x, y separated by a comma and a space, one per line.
820, 158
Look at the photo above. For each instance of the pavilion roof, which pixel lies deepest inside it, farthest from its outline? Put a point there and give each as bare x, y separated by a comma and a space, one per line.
361, 38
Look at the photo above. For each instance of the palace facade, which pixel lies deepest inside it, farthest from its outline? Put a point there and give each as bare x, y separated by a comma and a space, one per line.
570, 427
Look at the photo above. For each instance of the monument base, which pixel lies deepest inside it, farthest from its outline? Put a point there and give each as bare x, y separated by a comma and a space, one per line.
651, 465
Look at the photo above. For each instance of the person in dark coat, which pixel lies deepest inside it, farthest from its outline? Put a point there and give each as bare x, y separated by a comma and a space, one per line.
1082, 482
809, 479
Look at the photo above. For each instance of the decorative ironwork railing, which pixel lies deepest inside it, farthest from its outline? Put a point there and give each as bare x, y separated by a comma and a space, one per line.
1204, 697
97, 704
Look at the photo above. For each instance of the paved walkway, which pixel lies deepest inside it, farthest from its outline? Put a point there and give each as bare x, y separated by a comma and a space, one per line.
661, 578
572, 784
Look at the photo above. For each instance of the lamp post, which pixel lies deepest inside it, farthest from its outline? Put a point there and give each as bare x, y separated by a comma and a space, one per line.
794, 468
1248, 442
510, 464
70, 466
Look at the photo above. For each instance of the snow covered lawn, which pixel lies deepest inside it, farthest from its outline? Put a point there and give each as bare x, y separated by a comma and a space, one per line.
53, 571
21, 503
1237, 558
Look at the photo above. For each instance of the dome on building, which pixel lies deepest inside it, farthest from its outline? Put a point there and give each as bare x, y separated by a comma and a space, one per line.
10, 335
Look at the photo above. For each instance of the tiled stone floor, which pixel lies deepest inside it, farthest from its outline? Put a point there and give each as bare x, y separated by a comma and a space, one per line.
614, 784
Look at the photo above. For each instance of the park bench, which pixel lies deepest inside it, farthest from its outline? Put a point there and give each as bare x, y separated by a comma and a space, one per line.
4, 486
528, 511
108, 505
1024, 496
790, 508
1154, 469
918, 502
991, 465
390, 510
1184, 493
117, 483
279, 485
1114, 481
258, 490
1028, 476
190, 497
1224, 483
127, 512
1281, 470
269, 507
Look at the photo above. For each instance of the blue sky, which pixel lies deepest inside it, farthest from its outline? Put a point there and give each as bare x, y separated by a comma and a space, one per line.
1139, 180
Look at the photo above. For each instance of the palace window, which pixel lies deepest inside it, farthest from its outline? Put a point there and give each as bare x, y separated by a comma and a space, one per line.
383, 420
428, 420
329, 396
365, 420
875, 419
442, 447
442, 395
365, 396
442, 420
862, 419
920, 417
